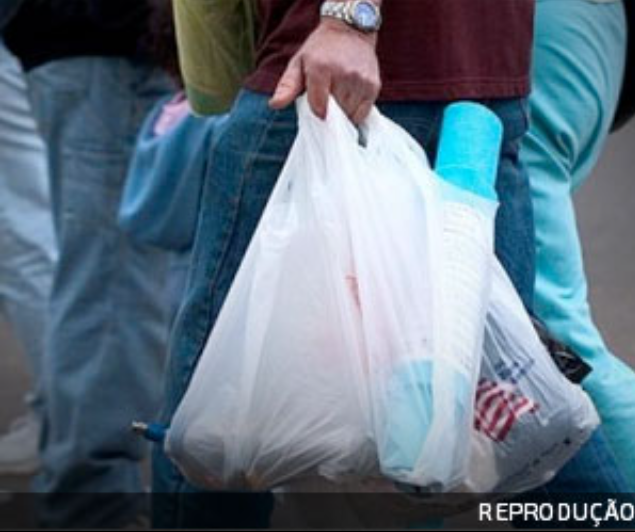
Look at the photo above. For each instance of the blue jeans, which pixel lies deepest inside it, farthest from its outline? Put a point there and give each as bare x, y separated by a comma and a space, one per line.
594, 464
592, 472
27, 242
247, 156
108, 320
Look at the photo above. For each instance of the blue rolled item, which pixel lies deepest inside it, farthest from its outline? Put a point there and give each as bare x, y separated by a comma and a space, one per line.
469, 149
152, 432
468, 160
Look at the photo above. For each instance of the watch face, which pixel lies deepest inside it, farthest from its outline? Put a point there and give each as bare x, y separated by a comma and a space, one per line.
366, 15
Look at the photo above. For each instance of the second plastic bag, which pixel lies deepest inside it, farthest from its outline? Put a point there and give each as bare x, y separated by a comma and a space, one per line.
529, 419
333, 351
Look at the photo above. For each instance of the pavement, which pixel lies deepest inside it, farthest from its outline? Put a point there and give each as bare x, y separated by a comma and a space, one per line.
606, 206
607, 223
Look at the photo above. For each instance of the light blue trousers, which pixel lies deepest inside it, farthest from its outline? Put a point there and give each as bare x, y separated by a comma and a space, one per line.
27, 241
579, 63
108, 315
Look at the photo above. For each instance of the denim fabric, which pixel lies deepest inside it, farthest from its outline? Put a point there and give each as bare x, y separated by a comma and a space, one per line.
578, 63
591, 472
247, 156
108, 319
160, 202
27, 242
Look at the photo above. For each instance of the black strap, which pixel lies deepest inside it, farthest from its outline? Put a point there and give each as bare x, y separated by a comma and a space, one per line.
567, 360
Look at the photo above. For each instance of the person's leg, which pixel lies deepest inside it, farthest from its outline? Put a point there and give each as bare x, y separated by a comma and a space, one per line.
27, 250
578, 61
178, 269
248, 153
104, 361
595, 459
591, 473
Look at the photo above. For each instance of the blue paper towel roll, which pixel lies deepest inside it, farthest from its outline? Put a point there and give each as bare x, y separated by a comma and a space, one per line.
412, 409
469, 150
468, 158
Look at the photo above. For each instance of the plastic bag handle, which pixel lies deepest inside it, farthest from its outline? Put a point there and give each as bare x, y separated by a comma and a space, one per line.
373, 132
336, 119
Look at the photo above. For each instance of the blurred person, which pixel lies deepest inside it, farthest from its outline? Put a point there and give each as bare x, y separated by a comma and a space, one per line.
626, 108
27, 253
160, 203
579, 62
91, 84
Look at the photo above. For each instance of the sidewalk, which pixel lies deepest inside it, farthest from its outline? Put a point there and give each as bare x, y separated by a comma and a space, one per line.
13, 383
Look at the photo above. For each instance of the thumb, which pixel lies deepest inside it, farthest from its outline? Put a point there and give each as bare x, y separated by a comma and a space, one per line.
290, 86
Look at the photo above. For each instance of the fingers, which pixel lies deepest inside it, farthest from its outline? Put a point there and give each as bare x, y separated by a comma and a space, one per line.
362, 112
318, 88
290, 86
356, 96
332, 62
346, 96
358, 108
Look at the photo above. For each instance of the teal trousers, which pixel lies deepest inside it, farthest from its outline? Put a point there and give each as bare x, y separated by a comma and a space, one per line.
579, 63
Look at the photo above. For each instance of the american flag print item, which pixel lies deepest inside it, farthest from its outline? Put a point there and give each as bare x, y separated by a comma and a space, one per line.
498, 407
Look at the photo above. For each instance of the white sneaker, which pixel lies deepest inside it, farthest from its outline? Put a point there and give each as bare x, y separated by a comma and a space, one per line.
19, 447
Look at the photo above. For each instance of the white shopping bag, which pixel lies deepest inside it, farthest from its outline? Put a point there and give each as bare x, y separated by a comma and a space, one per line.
280, 390
529, 419
423, 274
335, 353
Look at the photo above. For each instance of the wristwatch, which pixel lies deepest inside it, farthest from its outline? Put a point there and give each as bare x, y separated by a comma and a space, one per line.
363, 15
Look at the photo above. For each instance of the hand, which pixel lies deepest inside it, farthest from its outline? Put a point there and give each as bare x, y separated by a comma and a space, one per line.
336, 59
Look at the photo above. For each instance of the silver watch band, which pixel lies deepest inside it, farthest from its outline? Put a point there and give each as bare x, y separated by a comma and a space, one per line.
338, 10
345, 10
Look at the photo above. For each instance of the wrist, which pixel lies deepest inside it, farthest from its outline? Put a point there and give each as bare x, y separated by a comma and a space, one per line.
363, 16
339, 26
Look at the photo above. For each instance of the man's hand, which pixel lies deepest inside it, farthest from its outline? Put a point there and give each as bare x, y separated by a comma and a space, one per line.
337, 60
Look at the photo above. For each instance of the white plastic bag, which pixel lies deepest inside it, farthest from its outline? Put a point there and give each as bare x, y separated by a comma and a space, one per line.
529, 419
335, 352
424, 327
279, 391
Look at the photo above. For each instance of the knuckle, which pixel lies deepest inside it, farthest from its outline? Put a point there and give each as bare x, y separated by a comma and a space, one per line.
373, 86
334, 69
354, 76
315, 64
